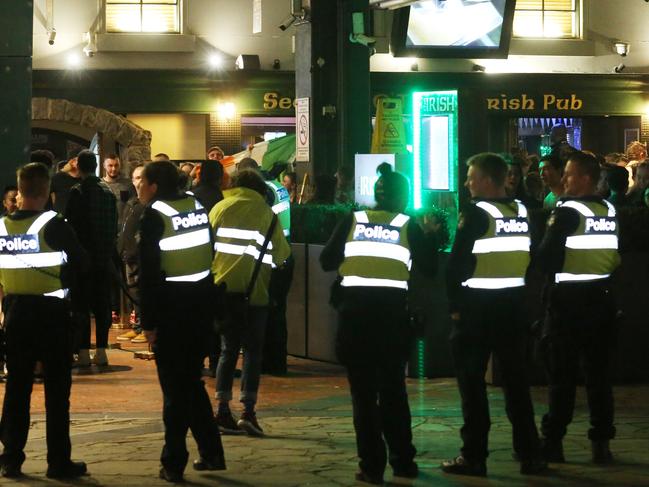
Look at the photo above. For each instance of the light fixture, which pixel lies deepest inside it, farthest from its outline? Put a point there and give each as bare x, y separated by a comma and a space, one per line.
226, 111
622, 48
276, 64
414, 67
249, 62
478, 68
90, 49
51, 35
73, 60
215, 60
619, 68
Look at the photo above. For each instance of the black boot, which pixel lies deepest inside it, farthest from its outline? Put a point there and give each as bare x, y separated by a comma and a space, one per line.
369, 479
69, 470
534, 465
410, 471
171, 476
216, 463
462, 466
552, 450
601, 452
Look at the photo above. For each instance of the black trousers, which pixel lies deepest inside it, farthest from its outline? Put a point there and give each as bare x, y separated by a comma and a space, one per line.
580, 326
37, 329
180, 350
373, 343
493, 321
275, 353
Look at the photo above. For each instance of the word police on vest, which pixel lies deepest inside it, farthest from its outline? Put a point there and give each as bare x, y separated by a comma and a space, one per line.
600, 225
189, 220
376, 233
19, 244
511, 226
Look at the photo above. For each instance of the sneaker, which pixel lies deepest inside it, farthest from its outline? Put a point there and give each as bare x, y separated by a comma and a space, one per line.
171, 476
83, 359
216, 463
115, 318
67, 471
132, 319
462, 466
139, 338
227, 425
601, 452
100, 358
125, 337
249, 424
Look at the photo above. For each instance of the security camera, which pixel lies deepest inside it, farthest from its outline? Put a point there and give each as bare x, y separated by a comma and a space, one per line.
287, 22
362, 39
51, 35
619, 68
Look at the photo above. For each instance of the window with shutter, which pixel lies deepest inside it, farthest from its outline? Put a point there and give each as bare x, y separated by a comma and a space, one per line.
148, 16
550, 19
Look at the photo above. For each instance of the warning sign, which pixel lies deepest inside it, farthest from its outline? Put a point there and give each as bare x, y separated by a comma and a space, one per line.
389, 131
303, 137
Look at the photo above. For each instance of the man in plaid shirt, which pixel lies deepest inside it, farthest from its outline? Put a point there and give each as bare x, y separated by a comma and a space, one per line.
92, 212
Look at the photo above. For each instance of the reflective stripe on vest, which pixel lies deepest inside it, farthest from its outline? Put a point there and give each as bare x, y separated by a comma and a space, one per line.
37, 261
191, 239
245, 247
592, 247
376, 252
502, 254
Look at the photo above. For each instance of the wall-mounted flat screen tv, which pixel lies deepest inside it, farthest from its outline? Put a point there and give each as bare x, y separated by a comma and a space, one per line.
453, 29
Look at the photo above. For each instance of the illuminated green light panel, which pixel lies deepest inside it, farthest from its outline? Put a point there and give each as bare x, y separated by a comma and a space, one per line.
448, 162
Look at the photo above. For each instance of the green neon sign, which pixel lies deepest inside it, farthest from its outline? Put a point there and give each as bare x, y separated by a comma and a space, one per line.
435, 143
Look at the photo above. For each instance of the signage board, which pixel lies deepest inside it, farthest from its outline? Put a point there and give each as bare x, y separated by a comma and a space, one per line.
302, 127
365, 176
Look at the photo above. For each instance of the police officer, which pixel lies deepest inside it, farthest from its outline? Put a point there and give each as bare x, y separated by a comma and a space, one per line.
176, 290
485, 283
39, 257
579, 254
372, 251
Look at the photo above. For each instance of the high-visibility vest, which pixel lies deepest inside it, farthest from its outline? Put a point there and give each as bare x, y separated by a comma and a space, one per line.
377, 253
591, 250
503, 253
281, 206
185, 245
28, 265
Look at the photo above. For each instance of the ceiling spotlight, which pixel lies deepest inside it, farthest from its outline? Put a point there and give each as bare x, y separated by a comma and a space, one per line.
478, 68
215, 60
73, 60
276, 64
287, 22
51, 35
619, 68
622, 48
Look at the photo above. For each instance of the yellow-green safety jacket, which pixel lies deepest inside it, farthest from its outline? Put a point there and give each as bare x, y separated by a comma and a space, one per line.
28, 265
186, 244
503, 253
591, 250
377, 253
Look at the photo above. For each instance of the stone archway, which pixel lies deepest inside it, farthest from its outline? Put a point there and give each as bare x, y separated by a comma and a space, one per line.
132, 137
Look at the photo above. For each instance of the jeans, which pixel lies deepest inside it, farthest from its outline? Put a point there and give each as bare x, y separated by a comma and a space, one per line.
98, 300
493, 322
241, 329
580, 323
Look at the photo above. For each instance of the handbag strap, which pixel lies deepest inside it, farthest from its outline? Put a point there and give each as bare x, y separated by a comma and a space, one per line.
255, 272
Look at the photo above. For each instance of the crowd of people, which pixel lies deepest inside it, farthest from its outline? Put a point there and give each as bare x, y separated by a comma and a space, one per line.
209, 270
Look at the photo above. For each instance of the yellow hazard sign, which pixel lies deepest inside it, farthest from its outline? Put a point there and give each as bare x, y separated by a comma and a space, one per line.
389, 135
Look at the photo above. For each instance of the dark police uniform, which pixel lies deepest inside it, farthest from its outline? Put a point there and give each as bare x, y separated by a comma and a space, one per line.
485, 282
176, 289
39, 256
579, 253
372, 251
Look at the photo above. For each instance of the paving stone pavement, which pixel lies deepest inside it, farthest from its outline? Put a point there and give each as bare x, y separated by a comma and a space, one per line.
116, 429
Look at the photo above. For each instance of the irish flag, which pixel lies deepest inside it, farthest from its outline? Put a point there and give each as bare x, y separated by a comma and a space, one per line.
265, 153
